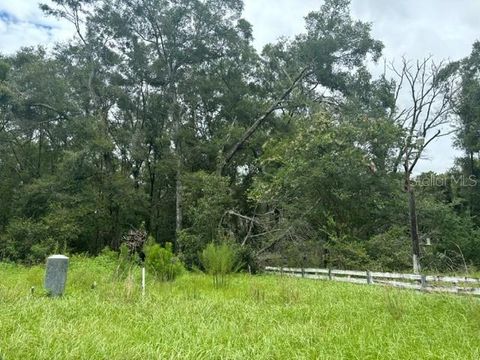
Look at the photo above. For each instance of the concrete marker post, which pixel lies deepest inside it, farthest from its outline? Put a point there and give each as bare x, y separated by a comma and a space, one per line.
56, 275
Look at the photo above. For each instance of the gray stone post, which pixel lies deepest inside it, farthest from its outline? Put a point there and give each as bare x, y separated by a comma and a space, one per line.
56, 275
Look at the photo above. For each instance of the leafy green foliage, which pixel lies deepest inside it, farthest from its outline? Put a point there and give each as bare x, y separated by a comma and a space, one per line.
206, 199
219, 261
468, 132
161, 262
390, 250
322, 183
132, 121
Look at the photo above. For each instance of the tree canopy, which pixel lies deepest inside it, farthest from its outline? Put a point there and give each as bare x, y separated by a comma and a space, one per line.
161, 113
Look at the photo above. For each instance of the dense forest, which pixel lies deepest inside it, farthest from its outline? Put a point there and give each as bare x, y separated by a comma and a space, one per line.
160, 114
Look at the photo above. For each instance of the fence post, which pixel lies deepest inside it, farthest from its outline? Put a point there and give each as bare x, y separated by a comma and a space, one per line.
281, 270
423, 281
143, 281
369, 278
303, 272
329, 274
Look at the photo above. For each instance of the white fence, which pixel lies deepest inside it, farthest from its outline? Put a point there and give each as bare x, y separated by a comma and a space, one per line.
429, 283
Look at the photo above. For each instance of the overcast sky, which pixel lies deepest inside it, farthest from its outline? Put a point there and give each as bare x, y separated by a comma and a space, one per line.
445, 29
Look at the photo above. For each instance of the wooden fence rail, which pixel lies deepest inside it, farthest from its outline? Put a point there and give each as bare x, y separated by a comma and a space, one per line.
428, 283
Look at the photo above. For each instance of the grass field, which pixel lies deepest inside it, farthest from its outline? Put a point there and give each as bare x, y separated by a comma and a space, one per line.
254, 317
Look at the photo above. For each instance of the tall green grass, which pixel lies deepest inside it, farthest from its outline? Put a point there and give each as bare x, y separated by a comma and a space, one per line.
254, 317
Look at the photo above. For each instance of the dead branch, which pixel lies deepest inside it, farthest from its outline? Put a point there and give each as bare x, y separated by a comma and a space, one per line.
261, 119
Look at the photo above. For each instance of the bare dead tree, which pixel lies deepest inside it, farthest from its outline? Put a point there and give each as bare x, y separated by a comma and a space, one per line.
428, 90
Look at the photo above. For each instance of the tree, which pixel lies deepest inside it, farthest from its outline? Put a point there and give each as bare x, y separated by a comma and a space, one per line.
468, 133
430, 89
317, 184
167, 61
188, 42
162, 112
333, 47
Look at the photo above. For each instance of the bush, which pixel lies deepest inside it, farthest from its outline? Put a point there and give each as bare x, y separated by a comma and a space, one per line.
161, 261
107, 257
345, 254
390, 250
219, 261
190, 246
27, 241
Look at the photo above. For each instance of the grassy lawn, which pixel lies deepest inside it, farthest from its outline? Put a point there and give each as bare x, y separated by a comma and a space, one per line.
254, 317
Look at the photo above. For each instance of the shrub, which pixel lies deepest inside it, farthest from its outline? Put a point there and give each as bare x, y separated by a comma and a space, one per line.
27, 241
161, 261
246, 257
190, 247
348, 254
219, 261
107, 258
390, 250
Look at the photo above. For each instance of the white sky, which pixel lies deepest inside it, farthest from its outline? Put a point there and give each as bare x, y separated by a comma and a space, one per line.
445, 29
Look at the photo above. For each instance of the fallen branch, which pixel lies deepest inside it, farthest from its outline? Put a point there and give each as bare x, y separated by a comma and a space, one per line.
251, 130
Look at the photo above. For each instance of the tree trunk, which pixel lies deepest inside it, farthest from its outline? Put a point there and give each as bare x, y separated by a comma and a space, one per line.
413, 227
471, 193
176, 118
178, 201
472, 163
39, 159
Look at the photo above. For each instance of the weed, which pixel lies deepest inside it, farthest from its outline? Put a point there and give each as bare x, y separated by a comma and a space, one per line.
257, 293
394, 305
